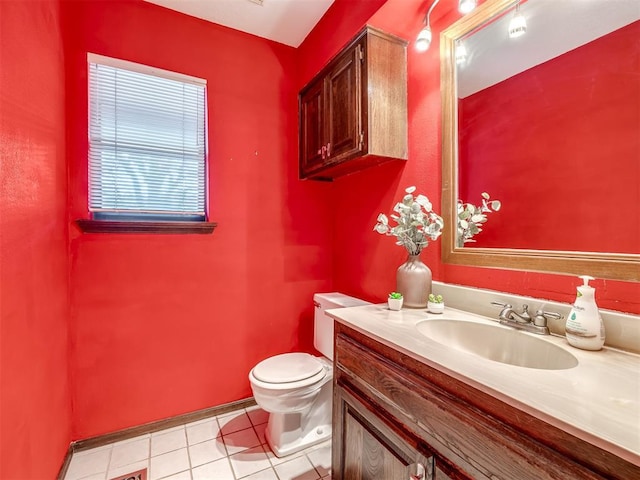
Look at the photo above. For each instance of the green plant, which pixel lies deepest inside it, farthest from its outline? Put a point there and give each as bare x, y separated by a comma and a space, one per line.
435, 298
395, 295
417, 222
471, 217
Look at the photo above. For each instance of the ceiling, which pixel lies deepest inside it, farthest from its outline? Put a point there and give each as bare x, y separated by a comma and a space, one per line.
283, 21
553, 28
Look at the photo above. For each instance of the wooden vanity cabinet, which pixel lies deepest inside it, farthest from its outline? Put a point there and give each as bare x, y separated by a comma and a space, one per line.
353, 114
373, 450
388, 405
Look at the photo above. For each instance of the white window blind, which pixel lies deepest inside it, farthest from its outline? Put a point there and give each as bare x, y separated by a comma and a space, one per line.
147, 142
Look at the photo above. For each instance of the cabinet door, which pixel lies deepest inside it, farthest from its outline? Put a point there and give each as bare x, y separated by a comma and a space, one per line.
440, 475
343, 103
370, 450
312, 143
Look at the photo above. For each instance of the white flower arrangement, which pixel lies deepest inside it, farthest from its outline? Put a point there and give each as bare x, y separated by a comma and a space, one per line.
471, 217
417, 222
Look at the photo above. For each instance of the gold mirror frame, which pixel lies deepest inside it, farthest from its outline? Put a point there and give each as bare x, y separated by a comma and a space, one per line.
603, 265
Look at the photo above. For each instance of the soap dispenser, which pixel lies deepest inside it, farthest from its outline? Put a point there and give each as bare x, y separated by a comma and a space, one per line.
584, 327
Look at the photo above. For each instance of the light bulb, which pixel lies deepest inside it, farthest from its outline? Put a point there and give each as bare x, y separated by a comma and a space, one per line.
423, 40
518, 24
461, 53
465, 6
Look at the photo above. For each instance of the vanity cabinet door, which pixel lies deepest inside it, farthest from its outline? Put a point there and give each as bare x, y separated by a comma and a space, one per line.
369, 449
344, 106
313, 150
440, 475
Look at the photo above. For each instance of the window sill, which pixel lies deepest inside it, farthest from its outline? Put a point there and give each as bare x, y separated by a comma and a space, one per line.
110, 226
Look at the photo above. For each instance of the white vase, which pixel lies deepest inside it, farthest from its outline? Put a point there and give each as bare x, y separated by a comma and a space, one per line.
413, 281
434, 307
394, 303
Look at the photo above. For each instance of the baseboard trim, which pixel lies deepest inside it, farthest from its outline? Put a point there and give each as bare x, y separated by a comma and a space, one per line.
156, 426
65, 463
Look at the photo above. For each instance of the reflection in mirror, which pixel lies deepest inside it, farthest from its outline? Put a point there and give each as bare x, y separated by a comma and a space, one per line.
547, 122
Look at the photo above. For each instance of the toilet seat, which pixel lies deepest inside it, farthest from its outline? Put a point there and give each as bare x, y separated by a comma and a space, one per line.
287, 368
288, 371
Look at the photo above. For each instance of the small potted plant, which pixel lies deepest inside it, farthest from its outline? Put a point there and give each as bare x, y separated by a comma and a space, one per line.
395, 301
435, 303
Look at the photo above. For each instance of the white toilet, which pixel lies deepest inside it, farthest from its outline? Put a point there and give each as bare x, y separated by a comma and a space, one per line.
296, 388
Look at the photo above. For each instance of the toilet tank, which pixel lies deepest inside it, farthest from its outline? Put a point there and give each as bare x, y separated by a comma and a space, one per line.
323, 323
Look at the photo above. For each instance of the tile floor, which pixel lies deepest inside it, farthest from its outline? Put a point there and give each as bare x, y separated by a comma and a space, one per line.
228, 447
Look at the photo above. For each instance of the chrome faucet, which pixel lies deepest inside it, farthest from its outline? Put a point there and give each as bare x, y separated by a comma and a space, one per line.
524, 321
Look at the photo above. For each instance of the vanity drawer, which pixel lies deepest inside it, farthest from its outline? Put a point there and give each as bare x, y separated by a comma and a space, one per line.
481, 435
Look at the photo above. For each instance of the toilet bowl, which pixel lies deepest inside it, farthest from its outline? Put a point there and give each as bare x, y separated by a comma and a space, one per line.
296, 388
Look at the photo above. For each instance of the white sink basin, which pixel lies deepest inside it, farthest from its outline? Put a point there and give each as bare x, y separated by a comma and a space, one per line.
497, 343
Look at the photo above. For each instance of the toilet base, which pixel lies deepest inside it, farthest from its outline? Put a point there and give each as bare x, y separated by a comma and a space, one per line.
283, 442
288, 433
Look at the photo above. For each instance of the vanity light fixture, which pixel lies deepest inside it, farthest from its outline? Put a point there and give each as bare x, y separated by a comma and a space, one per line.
461, 52
465, 6
518, 24
423, 40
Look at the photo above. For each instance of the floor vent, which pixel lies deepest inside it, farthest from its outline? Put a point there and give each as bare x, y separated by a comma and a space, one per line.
137, 475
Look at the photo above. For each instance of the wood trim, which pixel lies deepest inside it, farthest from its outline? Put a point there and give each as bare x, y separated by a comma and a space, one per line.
158, 425
65, 464
108, 226
603, 265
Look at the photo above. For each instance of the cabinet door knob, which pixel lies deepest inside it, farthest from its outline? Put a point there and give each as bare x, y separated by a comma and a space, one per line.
419, 475
324, 151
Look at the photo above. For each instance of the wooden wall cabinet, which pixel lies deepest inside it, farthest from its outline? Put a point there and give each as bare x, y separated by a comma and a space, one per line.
353, 114
393, 412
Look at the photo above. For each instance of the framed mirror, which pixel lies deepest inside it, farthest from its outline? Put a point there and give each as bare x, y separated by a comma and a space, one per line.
548, 123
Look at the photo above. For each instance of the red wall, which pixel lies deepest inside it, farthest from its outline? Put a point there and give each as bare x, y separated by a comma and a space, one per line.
168, 324
35, 407
364, 263
160, 325
571, 122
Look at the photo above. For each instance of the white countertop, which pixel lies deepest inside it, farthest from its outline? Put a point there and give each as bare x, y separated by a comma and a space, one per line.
597, 401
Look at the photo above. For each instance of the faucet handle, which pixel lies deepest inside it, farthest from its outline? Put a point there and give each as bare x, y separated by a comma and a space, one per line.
503, 305
541, 317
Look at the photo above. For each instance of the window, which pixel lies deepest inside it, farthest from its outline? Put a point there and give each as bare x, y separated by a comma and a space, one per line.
147, 144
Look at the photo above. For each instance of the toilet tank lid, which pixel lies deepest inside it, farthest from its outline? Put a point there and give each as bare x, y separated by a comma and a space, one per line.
286, 368
336, 300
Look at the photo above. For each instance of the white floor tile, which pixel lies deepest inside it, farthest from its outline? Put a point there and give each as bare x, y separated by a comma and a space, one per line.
169, 463
257, 415
321, 459
135, 439
129, 452
218, 470
241, 440
167, 430
203, 431
267, 474
97, 476
179, 476
249, 461
260, 431
205, 452
277, 461
297, 469
229, 447
132, 467
166, 442
89, 462
91, 451
232, 422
